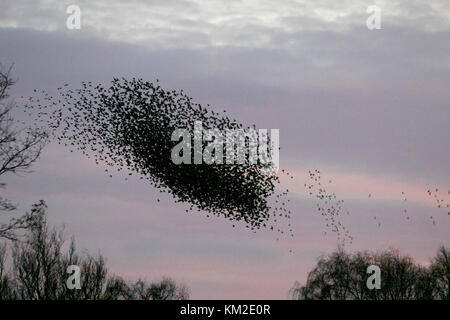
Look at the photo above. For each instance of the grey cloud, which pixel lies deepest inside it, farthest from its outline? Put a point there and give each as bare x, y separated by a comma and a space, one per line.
162, 24
372, 102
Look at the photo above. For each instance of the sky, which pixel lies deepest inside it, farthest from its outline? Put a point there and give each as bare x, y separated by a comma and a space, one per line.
369, 108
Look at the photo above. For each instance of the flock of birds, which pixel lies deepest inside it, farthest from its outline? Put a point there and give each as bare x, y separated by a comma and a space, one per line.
329, 206
440, 202
128, 127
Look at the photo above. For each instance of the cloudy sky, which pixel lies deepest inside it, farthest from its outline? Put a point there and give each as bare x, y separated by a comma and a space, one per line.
369, 108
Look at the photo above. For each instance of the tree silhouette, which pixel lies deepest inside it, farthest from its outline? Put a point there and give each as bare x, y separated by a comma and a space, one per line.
343, 276
39, 271
440, 271
19, 149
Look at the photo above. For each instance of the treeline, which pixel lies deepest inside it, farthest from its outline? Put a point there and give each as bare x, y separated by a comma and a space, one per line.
39, 271
37, 268
343, 276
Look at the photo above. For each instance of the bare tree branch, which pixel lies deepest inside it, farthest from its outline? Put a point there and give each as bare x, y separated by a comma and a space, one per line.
19, 149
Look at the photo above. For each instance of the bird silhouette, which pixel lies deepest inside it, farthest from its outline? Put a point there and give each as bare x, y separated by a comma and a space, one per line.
127, 127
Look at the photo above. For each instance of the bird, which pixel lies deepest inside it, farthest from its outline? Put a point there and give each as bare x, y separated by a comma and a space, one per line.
127, 125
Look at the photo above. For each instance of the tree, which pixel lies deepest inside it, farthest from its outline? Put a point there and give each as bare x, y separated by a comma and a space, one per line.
166, 289
343, 276
19, 149
39, 263
39, 271
440, 270
6, 286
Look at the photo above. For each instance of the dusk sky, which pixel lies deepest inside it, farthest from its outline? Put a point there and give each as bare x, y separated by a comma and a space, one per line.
369, 108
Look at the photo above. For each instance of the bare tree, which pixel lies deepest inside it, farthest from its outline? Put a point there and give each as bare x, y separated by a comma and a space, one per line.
166, 289
440, 270
117, 289
6, 285
19, 149
342, 276
37, 261
40, 264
